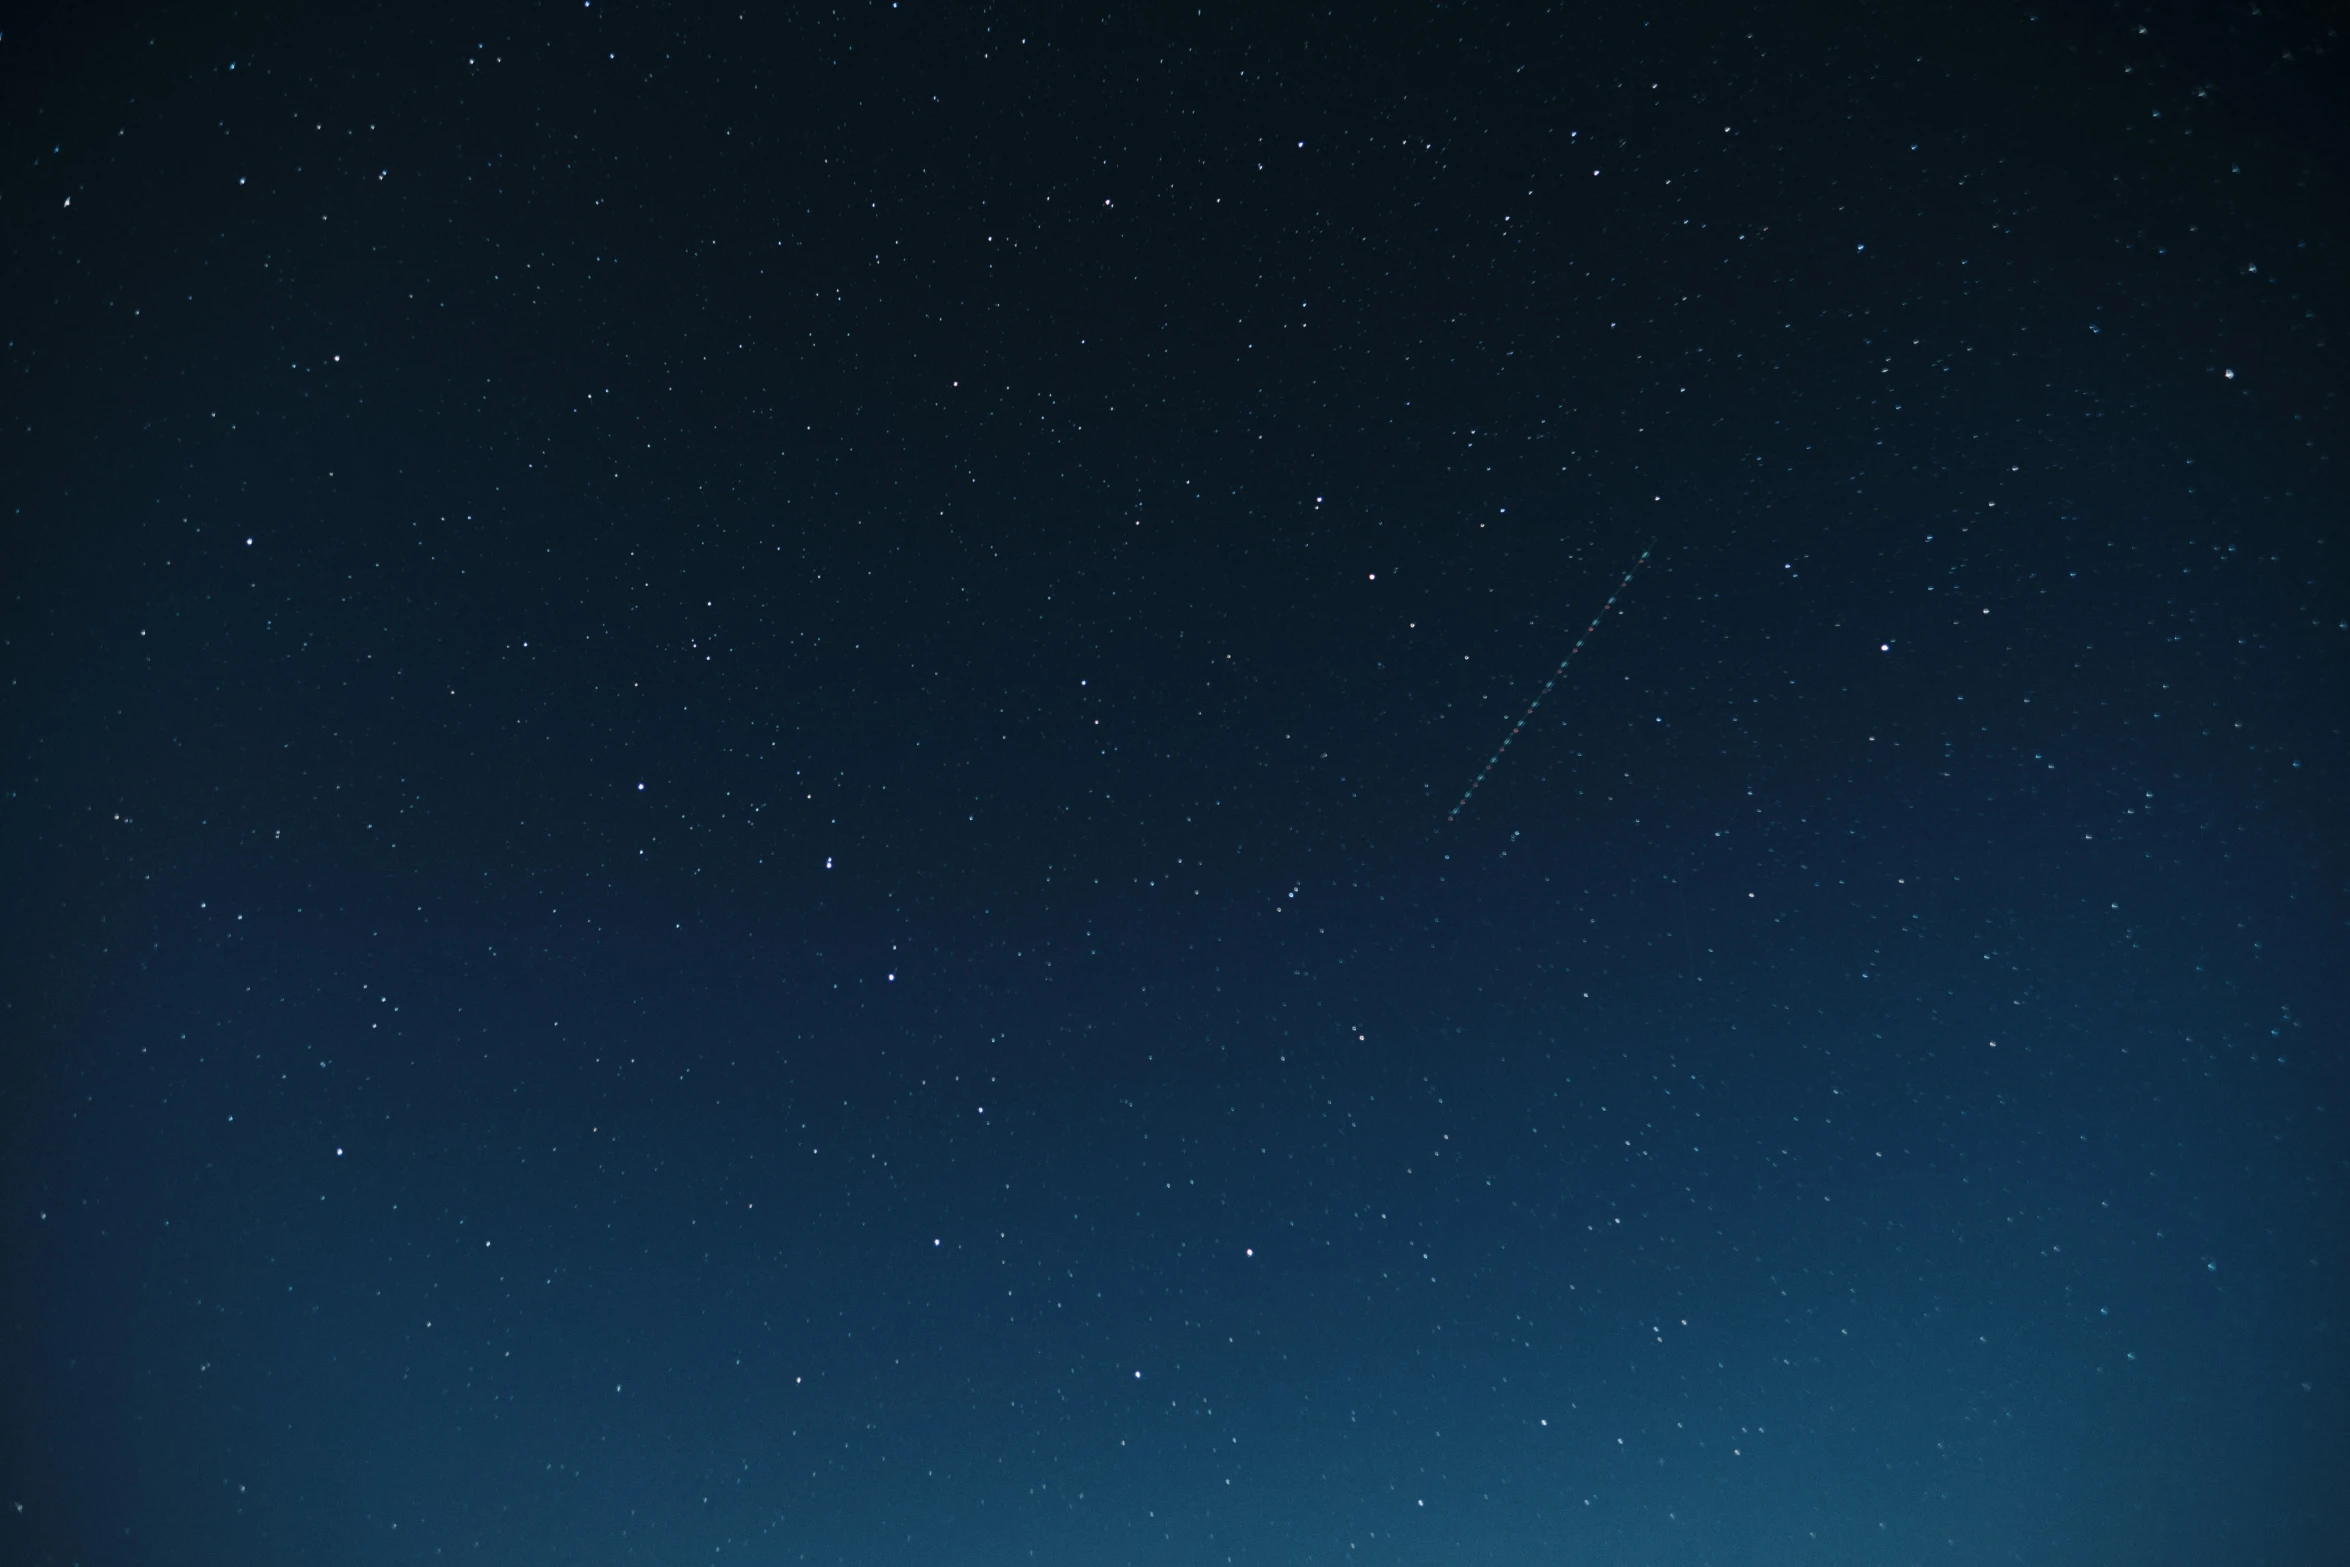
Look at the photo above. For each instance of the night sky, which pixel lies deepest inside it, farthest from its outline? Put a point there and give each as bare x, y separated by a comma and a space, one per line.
729, 739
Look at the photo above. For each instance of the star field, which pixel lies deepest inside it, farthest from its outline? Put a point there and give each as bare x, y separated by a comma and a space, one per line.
730, 736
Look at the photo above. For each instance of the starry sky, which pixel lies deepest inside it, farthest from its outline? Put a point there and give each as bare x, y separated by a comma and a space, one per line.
732, 742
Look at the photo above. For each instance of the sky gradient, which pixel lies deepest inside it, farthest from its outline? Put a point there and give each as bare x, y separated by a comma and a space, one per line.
728, 746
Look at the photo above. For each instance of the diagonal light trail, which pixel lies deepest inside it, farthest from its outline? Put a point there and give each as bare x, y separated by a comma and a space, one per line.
1555, 676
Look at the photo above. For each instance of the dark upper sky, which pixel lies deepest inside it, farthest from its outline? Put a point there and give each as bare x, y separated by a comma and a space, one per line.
728, 744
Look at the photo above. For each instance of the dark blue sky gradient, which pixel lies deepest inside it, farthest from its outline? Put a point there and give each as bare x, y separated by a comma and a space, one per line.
728, 745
